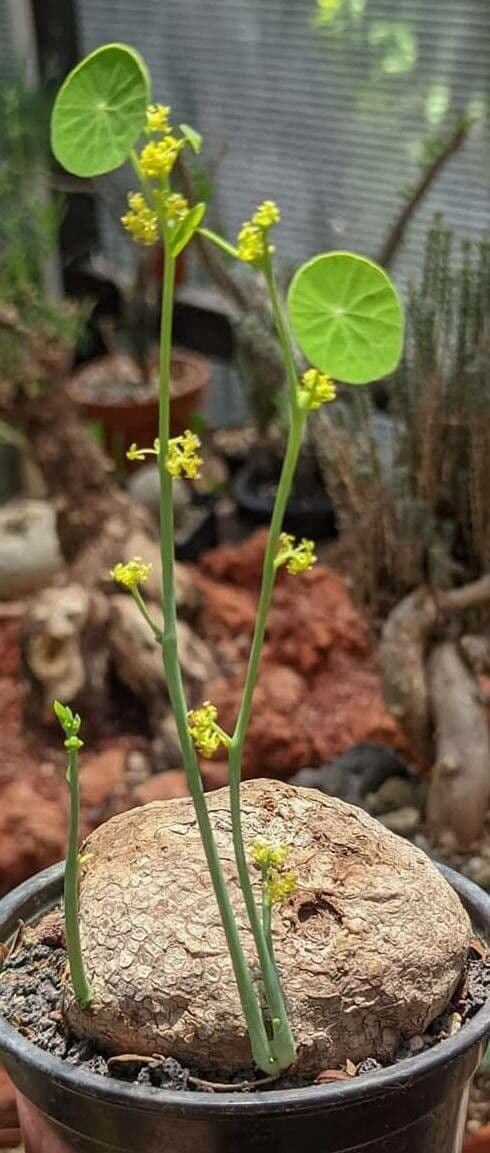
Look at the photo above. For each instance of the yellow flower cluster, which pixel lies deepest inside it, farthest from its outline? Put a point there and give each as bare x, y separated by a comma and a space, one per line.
281, 886
296, 557
158, 157
266, 214
157, 118
250, 243
205, 732
252, 238
316, 388
140, 220
268, 856
176, 207
183, 457
270, 859
131, 574
135, 453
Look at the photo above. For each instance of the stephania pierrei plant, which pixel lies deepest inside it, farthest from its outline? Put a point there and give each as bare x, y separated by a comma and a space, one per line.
344, 315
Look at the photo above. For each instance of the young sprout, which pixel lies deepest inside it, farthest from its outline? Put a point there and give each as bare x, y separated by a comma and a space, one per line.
70, 723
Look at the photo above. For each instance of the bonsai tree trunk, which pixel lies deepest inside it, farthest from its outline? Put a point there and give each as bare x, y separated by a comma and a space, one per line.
460, 786
433, 692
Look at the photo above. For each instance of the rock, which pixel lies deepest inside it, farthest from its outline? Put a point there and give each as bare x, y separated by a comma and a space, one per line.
64, 641
358, 773
394, 793
137, 768
103, 778
317, 652
478, 869
32, 831
138, 657
163, 787
30, 553
372, 915
404, 822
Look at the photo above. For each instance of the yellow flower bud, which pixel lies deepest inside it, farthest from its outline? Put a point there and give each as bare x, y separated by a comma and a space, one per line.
158, 157
266, 214
250, 243
205, 732
295, 557
183, 457
176, 207
131, 574
316, 388
140, 221
157, 118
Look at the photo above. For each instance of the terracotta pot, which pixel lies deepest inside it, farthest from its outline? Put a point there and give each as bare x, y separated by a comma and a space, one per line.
9, 1121
478, 1142
416, 1106
135, 419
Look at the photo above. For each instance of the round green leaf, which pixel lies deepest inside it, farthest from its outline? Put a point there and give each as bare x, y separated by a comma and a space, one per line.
346, 317
100, 111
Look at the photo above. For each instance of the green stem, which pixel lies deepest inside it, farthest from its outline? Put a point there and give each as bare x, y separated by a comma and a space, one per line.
283, 1041
81, 987
260, 1044
219, 241
138, 599
266, 912
283, 334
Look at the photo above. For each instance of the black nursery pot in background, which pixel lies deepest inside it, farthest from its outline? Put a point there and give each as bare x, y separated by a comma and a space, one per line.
416, 1106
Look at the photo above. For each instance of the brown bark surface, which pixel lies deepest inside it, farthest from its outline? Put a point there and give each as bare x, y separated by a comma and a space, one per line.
369, 949
402, 655
460, 785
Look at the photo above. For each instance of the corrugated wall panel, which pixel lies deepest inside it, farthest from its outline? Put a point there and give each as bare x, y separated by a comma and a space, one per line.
306, 115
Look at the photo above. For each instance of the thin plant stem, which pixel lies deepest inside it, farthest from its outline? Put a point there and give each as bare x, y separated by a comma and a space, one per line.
139, 601
219, 241
261, 1047
283, 334
283, 1041
81, 987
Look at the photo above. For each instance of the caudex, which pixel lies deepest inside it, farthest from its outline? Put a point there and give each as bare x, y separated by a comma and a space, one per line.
344, 316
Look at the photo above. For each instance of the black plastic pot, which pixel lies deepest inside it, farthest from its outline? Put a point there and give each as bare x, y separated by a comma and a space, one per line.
417, 1106
312, 516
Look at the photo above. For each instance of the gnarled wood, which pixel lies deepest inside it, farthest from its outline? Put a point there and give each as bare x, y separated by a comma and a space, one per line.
402, 653
460, 786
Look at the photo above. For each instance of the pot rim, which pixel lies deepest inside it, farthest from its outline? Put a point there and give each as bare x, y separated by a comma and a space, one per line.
198, 1103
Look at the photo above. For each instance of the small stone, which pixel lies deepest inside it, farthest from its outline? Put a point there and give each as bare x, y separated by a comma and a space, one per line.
416, 1044
478, 869
404, 821
394, 793
137, 768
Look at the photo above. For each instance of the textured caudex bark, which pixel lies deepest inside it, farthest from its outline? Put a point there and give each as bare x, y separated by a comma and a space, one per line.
460, 786
369, 949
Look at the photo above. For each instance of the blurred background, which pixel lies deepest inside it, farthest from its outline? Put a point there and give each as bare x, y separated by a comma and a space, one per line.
367, 121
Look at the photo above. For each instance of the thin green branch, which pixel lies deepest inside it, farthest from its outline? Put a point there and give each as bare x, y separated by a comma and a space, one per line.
138, 599
81, 987
219, 241
260, 1044
283, 334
